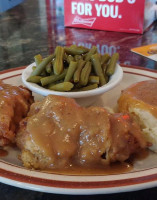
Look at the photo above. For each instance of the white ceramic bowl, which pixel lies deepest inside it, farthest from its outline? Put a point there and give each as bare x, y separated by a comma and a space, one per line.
85, 98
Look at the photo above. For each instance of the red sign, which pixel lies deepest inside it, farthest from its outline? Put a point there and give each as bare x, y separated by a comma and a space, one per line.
112, 15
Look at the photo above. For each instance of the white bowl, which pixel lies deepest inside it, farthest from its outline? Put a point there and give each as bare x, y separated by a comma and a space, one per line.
84, 98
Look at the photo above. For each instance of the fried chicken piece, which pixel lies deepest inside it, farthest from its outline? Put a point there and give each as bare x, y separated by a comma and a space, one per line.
59, 133
14, 106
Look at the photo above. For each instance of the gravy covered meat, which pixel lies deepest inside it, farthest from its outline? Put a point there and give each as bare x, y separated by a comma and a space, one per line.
58, 133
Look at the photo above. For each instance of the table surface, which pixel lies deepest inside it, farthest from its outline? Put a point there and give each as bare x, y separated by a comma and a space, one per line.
38, 27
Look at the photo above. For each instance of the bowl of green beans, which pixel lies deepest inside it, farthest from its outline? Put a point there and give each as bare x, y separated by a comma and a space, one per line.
74, 71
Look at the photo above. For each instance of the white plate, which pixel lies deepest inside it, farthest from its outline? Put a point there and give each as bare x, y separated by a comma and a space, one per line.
143, 175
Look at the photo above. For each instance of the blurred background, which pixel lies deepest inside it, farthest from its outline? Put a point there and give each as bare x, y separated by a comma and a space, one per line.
37, 26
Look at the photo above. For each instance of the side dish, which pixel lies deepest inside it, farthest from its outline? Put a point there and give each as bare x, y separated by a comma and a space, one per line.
73, 68
14, 105
140, 100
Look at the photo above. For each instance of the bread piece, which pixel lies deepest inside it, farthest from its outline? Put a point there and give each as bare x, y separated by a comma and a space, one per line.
140, 100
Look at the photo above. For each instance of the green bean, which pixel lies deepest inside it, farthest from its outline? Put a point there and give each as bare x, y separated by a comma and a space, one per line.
41, 66
88, 87
104, 67
38, 59
77, 57
93, 79
106, 78
58, 62
49, 68
34, 79
53, 61
85, 73
65, 56
70, 58
77, 73
112, 64
105, 58
71, 69
53, 78
43, 73
62, 87
76, 50
92, 51
98, 69
77, 86
52, 73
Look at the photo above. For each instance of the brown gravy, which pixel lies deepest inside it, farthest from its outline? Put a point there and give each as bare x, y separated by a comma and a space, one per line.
113, 168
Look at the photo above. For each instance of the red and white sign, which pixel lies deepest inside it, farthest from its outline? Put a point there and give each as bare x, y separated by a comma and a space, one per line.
112, 15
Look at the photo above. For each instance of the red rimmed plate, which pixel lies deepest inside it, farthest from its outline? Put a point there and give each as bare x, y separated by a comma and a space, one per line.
143, 175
